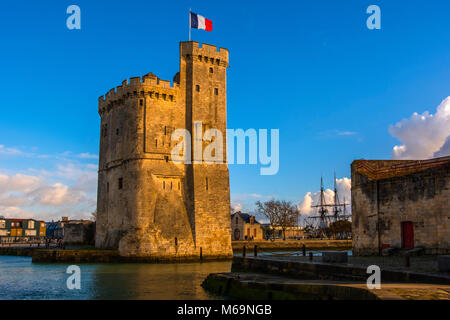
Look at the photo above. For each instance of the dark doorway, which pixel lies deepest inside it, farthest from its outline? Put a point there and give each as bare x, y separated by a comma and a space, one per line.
407, 235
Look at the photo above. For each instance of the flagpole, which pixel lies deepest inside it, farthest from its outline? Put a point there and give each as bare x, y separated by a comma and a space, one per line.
189, 24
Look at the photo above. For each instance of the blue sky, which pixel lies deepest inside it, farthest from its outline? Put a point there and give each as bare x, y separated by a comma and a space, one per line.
311, 69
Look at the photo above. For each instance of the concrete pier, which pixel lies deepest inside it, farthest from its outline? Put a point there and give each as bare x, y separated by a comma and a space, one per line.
252, 286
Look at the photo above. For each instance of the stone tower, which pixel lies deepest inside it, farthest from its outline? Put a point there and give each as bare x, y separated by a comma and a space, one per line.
148, 205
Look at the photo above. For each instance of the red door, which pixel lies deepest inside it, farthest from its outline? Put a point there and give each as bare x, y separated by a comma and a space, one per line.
408, 235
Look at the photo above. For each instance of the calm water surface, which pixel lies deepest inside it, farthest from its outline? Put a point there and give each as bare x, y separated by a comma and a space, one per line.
21, 279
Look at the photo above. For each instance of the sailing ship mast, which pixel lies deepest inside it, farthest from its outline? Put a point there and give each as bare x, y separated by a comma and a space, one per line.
322, 219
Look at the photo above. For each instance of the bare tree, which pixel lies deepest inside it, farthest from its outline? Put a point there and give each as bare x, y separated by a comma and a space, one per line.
281, 214
94, 215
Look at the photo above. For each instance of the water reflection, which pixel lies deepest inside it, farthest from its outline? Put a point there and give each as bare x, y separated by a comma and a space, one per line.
21, 279
154, 281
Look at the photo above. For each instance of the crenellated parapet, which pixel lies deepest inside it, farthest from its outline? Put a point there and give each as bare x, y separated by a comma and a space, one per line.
205, 53
138, 87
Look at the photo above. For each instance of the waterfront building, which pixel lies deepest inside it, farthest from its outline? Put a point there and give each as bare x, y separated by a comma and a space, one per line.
401, 204
21, 229
292, 232
72, 231
245, 227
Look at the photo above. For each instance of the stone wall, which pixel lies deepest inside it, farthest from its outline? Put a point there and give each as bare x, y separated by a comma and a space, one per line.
79, 233
149, 205
387, 193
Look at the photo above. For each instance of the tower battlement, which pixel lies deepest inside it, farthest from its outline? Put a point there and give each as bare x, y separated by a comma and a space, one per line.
204, 53
136, 87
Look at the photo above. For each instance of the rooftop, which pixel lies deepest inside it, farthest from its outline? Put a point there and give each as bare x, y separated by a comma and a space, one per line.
245, 216
384, 169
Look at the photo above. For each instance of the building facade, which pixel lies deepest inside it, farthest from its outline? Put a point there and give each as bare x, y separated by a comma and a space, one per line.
21, 229
79, 232
271, 232
72, 231
245, 227
401, 204
149, 205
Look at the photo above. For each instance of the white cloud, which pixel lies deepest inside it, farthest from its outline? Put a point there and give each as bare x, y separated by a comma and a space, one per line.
346, 133
245, 202
343, 187
39, 196
423, 136
16, 212
18, 182
87, 155
57, 194
70, 189
337, 133
236, 206
9, 151
444, 151
11, 201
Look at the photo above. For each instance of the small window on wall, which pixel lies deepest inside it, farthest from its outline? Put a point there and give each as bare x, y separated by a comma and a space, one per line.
141, 102
211, 70
120, 183
216, 91
207, 184
197, 88
117, 131
107, 187
164, 185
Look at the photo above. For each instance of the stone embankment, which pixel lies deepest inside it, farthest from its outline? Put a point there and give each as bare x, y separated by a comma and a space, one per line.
317, 270
295, 277
93, 256
280, 245
251, 286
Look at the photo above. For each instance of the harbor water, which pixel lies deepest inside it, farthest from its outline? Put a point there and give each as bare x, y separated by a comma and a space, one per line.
21, 279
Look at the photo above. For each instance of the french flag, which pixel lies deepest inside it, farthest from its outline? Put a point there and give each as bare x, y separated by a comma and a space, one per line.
199, 22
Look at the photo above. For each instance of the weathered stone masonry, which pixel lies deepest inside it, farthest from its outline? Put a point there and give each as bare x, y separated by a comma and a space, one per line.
401, 204
149, 206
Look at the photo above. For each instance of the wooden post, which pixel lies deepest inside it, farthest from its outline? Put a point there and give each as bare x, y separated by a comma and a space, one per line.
256, 250
304, 250
243, 251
